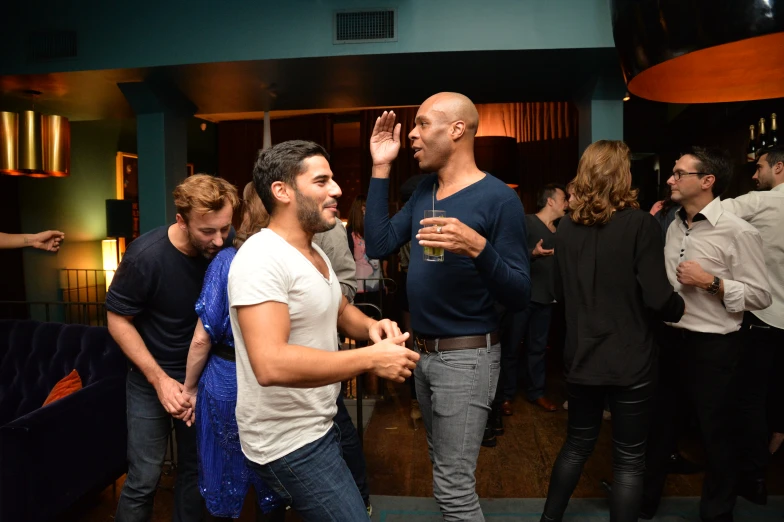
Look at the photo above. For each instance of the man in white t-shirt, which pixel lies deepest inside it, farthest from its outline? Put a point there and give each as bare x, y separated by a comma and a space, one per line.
285, 303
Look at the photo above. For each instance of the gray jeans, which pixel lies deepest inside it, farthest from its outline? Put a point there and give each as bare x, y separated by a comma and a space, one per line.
455, 390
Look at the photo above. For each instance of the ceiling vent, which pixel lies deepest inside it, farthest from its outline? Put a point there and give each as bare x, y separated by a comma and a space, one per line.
366, 25
45, 46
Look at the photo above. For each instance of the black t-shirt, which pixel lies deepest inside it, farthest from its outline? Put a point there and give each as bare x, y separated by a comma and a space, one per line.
613, 283
158, 285
542, 268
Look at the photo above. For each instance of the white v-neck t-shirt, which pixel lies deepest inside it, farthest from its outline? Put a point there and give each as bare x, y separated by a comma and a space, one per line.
274, 420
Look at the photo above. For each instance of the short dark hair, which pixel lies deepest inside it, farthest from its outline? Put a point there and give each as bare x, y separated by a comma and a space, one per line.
715, 161
546, 192
775, 154
282, 162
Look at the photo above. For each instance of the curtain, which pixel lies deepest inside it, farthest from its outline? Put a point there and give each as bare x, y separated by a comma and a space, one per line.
534, 121
239, 142
546, 133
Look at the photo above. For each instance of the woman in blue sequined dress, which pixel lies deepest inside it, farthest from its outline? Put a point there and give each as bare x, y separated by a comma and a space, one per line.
211, 383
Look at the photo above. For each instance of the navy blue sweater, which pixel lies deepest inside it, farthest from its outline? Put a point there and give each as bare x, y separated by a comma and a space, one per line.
456, 297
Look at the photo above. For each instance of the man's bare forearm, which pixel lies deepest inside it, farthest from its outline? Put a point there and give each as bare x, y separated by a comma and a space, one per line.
127, 337
354, 323
296, 366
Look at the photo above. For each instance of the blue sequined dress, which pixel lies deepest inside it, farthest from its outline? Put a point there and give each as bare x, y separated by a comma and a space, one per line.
224, 477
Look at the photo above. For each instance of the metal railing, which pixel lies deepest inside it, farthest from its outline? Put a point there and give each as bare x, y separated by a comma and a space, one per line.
370, 310
84, 284
386, 286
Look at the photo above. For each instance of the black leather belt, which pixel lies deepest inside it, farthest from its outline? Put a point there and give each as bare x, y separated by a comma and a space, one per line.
445, 344
224, 351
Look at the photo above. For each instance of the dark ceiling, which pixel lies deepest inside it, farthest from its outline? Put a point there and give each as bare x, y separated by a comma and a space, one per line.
222, 89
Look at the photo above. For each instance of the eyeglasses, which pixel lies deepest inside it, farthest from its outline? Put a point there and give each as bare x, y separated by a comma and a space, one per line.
678, 174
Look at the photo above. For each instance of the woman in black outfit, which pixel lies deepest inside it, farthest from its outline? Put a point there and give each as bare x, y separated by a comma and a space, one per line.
612, 281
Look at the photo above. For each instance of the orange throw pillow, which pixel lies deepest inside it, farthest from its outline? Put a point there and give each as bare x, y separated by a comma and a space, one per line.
65, 387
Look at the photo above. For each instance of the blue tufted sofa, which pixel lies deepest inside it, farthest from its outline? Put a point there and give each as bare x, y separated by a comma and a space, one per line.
52, 456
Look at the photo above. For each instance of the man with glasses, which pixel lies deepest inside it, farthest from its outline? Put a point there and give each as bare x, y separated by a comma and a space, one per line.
715, 261
763, 329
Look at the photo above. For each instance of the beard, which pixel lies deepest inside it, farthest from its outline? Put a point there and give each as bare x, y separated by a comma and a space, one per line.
309, 215
763, 185
206, 251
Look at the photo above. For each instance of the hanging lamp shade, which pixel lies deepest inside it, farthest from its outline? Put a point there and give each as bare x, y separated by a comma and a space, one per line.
30, 143
9, 143
701, 51
56, 146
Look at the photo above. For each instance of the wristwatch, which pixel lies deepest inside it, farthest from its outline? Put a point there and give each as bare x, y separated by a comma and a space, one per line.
714, 287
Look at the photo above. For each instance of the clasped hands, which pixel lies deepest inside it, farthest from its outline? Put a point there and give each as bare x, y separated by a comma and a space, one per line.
451, 235
176, 400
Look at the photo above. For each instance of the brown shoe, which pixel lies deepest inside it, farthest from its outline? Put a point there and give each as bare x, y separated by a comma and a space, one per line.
506, 408
546, 405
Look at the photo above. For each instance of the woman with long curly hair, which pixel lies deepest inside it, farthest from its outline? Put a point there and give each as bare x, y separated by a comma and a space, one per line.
611, 278
211, 376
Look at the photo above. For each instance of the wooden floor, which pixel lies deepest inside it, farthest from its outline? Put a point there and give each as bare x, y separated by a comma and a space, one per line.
518, 467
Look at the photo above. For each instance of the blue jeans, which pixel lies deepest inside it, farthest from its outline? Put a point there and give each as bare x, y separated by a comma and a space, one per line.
534, 324
149, 427
316, 482
455, 391
352, 449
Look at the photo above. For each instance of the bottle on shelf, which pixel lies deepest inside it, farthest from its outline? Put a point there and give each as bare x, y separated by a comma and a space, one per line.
773, 139
762, 139
751, 150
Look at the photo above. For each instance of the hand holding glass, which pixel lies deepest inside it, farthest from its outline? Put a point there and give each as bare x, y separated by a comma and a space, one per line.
434, 253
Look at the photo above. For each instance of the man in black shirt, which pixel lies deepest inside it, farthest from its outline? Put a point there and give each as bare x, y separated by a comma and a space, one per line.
534, 321
151, 315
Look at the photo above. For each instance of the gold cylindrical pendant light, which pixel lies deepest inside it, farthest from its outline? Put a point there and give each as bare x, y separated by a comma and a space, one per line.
30, 143
56, 146
9, 143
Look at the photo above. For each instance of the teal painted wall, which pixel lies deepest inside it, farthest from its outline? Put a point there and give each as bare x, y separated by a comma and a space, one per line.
145, 33
599, 120
607, 120
77, 204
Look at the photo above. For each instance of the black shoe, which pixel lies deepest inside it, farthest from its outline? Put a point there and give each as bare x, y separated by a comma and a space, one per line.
755, 491
677, 464
498, 426
497, 421
489, 440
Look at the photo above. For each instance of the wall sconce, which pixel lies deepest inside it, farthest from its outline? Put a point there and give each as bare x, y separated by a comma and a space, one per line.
109, 250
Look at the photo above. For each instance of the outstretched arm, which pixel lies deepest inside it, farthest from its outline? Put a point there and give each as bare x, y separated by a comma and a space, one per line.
48, 240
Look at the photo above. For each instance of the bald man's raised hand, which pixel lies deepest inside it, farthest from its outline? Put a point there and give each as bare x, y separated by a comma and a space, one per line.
385, 140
